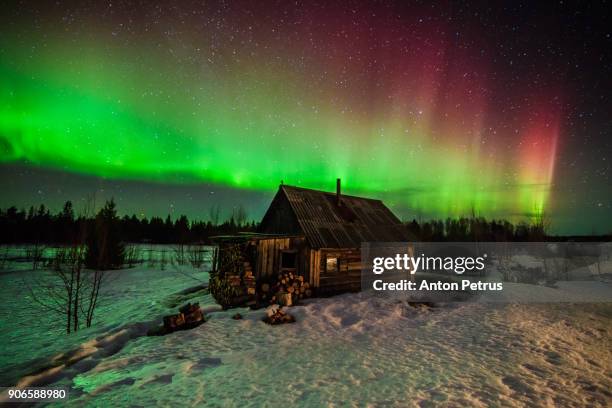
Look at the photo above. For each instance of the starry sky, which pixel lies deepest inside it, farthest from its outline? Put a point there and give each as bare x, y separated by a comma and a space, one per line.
439, 109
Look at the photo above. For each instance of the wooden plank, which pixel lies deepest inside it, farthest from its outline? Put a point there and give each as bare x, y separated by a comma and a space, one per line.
347, 275
310, 268
264, 255
262, 261
275, 256
304, 259
257, 258
339, 282
304, 264
316, 268
264, 249
340, 278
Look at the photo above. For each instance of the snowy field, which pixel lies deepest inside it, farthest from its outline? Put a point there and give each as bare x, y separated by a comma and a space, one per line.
349, 350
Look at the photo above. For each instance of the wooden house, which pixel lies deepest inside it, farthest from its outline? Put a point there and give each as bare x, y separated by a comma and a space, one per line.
318, 235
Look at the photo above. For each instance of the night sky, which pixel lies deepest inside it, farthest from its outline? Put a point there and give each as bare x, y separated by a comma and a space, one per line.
439, 110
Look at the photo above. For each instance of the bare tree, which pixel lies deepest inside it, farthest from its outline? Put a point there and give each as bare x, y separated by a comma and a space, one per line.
60, 290
132, 255
180, 254
197, 255
35, 253
68, 288
96, 278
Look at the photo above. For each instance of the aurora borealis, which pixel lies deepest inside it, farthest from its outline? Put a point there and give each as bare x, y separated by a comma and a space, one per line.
439, 110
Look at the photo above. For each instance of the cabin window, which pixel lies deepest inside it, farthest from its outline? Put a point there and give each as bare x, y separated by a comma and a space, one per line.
331, 264
288, 259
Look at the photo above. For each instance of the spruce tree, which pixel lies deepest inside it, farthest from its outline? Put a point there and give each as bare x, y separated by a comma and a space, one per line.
105, 249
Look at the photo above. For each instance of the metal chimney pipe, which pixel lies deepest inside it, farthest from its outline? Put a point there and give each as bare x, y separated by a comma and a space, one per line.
338, 192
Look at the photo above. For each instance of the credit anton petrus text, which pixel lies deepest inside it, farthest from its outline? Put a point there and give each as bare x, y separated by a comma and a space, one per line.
489, 271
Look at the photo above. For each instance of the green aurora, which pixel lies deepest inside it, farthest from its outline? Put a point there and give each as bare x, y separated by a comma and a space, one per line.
247, 120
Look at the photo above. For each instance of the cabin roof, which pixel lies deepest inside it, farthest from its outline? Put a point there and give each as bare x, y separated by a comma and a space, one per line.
328, 225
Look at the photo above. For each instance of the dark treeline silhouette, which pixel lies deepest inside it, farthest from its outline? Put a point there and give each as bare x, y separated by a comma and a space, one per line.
478, 229
39, 225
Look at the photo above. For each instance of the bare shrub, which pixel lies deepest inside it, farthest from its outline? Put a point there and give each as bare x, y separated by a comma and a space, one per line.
197, 255
150, 258
68, 289
35, 253
60, 290
163, 260
132, 255
4, 258
180, 256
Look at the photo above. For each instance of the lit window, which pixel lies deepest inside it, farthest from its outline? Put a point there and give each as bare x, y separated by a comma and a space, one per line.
331, 265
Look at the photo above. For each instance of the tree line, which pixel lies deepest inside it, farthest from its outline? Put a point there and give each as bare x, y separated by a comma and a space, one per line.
478, 229
41, 226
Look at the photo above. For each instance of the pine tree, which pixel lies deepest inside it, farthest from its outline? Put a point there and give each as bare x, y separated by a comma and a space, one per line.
105, 250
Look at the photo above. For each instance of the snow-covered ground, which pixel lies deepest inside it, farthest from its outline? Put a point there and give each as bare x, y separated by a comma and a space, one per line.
349, 350
30, 333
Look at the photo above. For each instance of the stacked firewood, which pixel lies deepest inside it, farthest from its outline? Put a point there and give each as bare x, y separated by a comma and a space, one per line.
243, 287
189, 316
249, 280
192, 312
278, 316
234, 280
287, 290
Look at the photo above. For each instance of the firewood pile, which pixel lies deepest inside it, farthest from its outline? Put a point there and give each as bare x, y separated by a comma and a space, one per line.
288, 290
249, 280
243, 286
189, 316
278, 316
192, 313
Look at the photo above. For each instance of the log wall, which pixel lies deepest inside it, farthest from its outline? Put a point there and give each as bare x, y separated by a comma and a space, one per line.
346, 276
269, 253
312, 264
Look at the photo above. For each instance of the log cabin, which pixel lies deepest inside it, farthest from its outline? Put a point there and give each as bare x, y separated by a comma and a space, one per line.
317, 235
